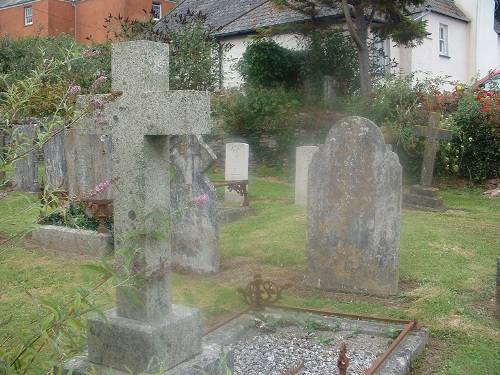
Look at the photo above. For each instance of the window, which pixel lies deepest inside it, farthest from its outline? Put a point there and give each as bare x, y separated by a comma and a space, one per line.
443, 40
380, 55
156, 11
28, 15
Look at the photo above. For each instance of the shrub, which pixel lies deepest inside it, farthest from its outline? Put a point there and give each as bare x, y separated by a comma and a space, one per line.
329, 53
267, 64
256, 111
474, 152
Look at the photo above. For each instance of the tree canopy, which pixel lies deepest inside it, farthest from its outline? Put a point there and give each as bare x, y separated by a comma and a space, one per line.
385, 18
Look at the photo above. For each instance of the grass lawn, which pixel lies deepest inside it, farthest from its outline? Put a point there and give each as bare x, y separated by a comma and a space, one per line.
447, 273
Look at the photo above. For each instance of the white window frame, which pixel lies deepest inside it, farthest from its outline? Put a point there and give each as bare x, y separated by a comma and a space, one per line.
443, 40
156, 7
28, 15
382, 58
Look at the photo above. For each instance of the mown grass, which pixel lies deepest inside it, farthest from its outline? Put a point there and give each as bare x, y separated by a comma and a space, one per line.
447, 271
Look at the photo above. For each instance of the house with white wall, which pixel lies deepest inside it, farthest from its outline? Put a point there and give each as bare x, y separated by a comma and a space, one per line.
463, 39
462, 43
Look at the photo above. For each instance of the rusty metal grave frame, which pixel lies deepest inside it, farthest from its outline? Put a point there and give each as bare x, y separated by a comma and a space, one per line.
259, 294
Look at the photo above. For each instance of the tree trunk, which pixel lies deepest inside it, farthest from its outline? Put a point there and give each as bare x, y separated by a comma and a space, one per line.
364, 72
363, 53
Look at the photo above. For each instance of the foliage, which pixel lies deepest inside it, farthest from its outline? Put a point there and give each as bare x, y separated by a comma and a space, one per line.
58, 329
254, 112
358, 16
75, 217
329, 53
267, 64
19, 57
400, 103
474, 152
194, 60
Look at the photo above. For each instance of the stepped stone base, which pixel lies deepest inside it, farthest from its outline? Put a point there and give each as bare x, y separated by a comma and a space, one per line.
423, 198
131, 345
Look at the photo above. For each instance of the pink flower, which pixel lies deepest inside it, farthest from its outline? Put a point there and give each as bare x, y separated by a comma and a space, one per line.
75, 90
198, 201
103, 186
4, 194
98, 82
98, 103
95, 52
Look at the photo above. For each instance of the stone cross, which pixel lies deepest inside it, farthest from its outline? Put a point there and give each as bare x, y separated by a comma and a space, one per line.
432, 134
141, 116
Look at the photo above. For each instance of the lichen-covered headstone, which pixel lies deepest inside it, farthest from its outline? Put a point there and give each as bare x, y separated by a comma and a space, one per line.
195, 227
56, 175
26, 168
353, 211
88, 162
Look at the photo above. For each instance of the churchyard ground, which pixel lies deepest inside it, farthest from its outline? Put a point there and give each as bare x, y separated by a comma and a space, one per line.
446, 283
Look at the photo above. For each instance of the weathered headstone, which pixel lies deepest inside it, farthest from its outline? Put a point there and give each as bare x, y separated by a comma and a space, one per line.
236, 167
141, 116
303, 157
88, 162
26, 168
424, 195
195, 227
55, 163
353, 211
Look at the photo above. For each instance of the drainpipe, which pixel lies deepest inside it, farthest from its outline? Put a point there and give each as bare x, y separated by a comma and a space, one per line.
73, 2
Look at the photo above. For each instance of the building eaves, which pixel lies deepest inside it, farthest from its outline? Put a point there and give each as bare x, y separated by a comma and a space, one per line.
445, 7
218, 13
234, 17
13, 3
267, 15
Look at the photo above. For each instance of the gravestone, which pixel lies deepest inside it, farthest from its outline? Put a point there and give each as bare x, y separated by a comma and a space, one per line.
56, 178
88, 162
141, 115
236, 168
303, 157
26, 168
195, 226
424, 195
353, 211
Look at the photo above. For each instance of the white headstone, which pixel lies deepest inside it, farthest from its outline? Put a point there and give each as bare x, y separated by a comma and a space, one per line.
236, 167
303, 157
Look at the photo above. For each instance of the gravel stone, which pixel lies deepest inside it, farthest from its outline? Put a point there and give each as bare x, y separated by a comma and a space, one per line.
274, 350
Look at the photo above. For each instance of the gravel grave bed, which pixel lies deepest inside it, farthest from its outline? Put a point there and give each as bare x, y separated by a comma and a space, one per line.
283, 344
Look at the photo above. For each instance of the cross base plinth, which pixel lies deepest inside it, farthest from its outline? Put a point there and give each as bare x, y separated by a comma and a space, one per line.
423, 198
132, 345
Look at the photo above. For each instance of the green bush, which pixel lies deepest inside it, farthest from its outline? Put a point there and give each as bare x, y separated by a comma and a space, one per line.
267, 64
75, 217
256, 111
474, 117
474, 152
19, 57
329, 53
